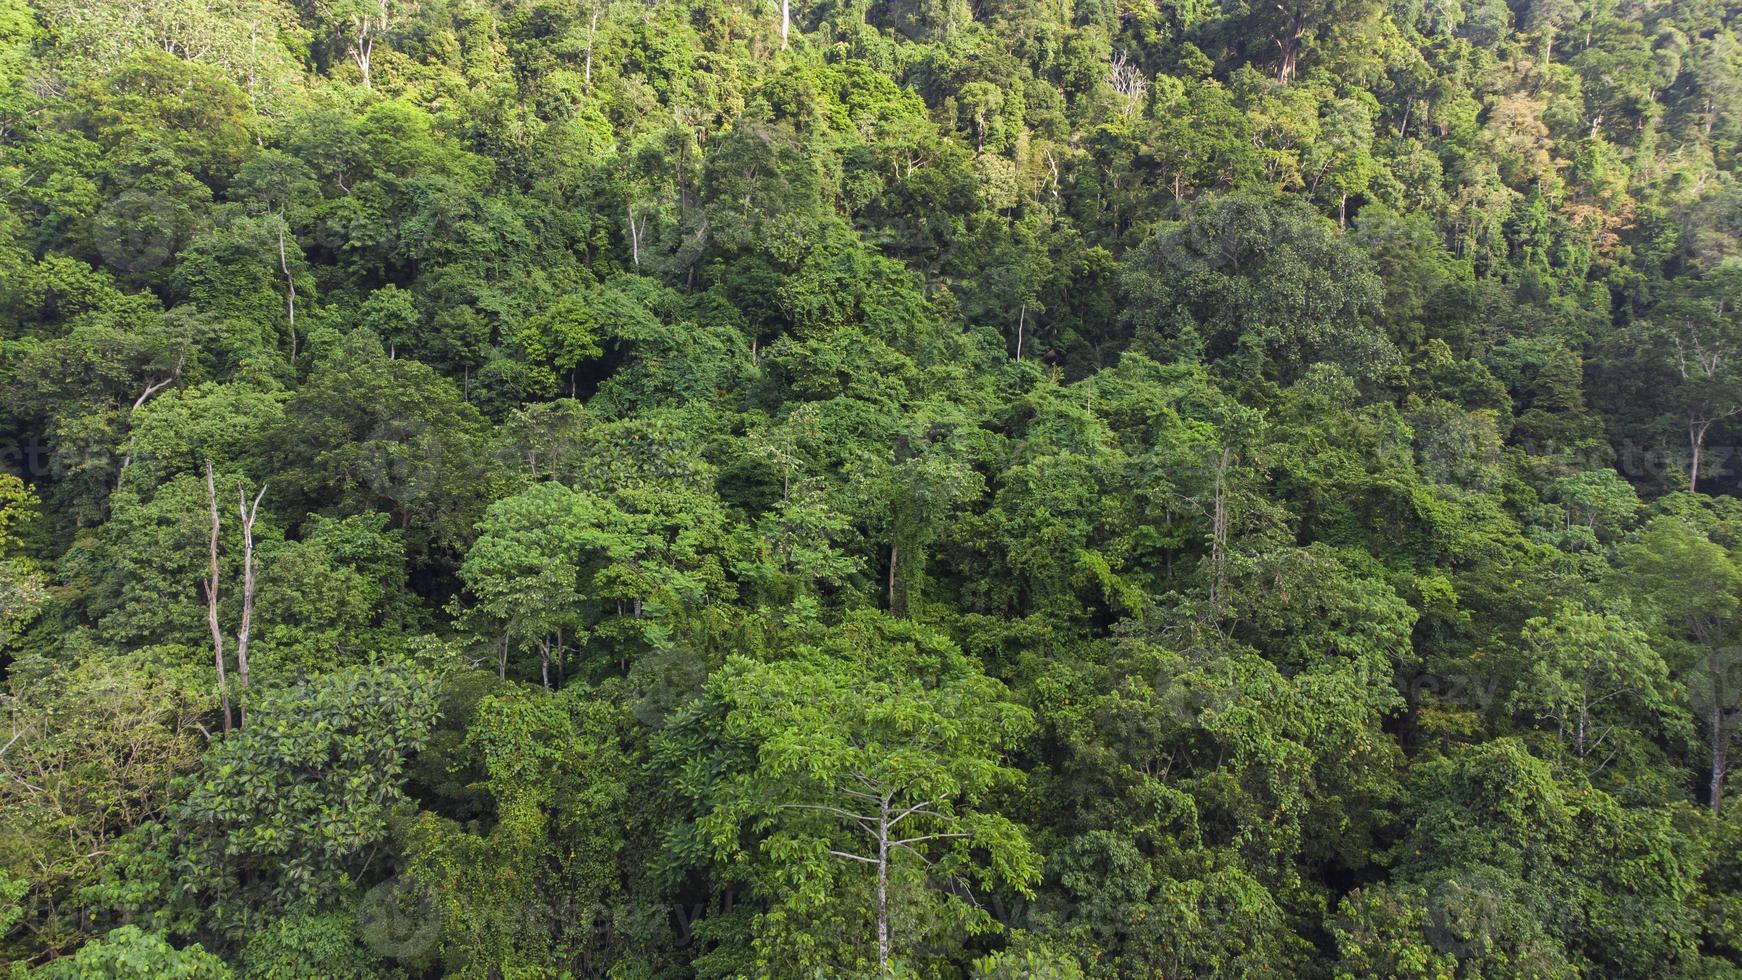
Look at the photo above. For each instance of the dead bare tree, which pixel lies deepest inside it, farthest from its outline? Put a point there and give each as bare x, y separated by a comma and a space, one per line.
249, 513
1128, 81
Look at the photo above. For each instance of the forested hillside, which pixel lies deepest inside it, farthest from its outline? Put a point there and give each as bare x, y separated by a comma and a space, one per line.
823, 488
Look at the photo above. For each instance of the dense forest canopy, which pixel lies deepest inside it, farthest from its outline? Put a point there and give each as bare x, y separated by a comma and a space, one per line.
790, 488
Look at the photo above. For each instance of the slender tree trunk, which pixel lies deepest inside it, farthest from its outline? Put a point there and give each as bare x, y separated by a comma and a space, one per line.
1021, 321
249, 513
212, 600
289, 286
1697, 450
894, 559
785, 21
1720, 754
883, 885
592, 32
634, 238
1579, 735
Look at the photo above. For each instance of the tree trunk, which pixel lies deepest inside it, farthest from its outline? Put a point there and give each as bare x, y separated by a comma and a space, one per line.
1290, 49
1021, 321
883, 886
363, 52
1720, 755
249, 513
634, 238
212, 600
1697, 448
289, 286
894, 559
1579, 734
785, 21
592, 32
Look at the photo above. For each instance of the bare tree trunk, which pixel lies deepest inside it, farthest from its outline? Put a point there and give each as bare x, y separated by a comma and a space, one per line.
592, 32
1579, 734
785, 21
1720, 755
1697, 447
367, 29
289, 286
634, 238
883, 885
212, 600
1021, 321
362, 53
894, 558
1290, 52
249, 513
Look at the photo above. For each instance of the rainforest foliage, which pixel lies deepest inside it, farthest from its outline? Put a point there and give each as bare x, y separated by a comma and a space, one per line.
716, 488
